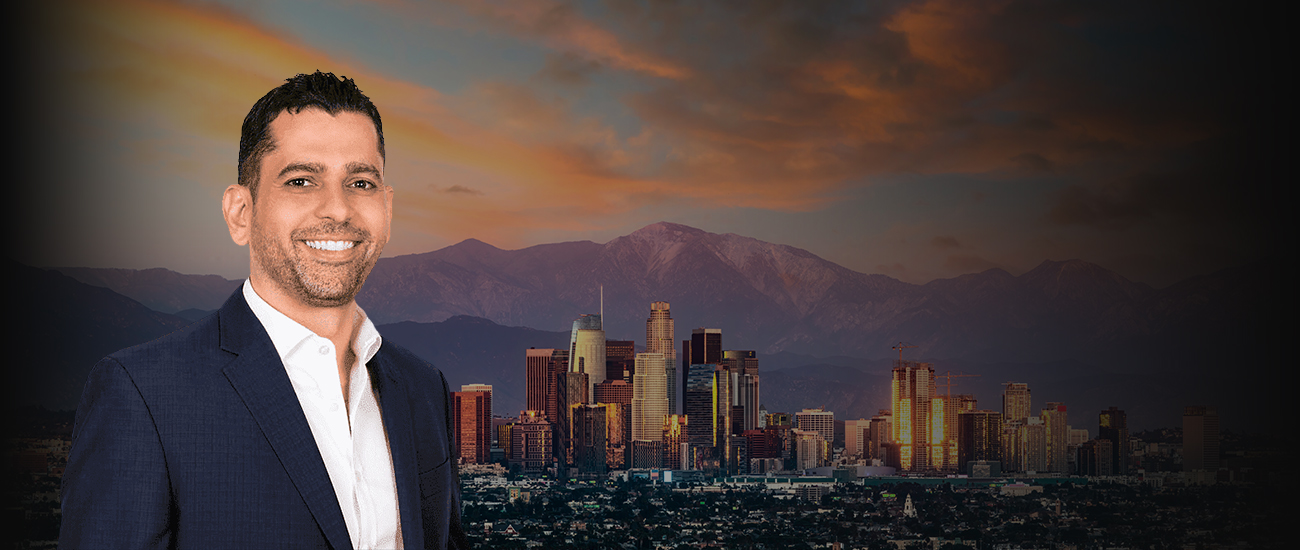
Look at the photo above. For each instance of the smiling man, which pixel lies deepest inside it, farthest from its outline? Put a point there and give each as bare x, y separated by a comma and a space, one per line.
282, 420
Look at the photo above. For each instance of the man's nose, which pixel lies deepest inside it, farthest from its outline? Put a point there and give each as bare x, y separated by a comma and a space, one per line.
335, 204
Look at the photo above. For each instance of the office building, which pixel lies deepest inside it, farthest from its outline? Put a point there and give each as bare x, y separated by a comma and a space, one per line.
1016, 404
698, 402
1112, 425
587, 350
472, 418
1057, 433
1200, 438
979, 438
743, 366
660, 338
818, 420
544, 367
618, 392
620, 359
649, 396
856, 437
530, 443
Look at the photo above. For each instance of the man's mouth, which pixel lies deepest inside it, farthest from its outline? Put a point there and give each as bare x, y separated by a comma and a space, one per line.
331, 245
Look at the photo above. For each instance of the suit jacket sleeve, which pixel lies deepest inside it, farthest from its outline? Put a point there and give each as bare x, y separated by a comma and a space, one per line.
116, 492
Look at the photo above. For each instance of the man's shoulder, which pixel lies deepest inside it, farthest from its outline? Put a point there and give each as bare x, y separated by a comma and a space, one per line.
408, 364
185, 344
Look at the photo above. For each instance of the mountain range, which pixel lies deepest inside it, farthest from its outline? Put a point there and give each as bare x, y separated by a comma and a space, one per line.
1060, 320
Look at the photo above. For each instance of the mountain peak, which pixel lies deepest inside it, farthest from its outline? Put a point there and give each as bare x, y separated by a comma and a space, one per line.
661, 230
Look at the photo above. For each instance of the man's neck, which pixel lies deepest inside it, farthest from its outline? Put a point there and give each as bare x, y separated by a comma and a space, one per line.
338, 324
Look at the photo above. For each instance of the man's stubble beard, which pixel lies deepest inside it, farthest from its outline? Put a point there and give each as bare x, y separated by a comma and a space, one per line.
314, 283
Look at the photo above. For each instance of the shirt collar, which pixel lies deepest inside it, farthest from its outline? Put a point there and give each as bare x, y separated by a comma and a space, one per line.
287, 334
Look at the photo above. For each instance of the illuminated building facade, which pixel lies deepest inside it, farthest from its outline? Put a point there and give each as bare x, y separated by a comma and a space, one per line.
530, 443
587, 350
660, 338
649, 396
472, 418
1057, 435
544, 366
911, 394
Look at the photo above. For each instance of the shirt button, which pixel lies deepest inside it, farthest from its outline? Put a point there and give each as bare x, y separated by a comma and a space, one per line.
324, 350
334, 406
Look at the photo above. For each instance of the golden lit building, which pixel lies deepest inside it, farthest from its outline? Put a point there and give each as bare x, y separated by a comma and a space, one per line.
911, 395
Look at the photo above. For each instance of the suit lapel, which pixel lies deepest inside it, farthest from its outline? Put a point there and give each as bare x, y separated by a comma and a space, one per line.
399, 423
259, 378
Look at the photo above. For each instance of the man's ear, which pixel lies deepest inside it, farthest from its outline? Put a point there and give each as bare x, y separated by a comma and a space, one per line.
237, 208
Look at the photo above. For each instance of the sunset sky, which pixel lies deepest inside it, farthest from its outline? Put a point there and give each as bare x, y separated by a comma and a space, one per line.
920, 140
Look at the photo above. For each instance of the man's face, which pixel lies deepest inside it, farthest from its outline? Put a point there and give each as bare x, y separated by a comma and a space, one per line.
322, 213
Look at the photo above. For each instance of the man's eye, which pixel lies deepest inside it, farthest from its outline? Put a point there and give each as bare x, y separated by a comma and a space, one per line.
363, 184
298, 182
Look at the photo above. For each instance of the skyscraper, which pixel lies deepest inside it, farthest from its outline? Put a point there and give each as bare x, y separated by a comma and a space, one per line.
531, 445
743, 366
543, 366
472, 419
1200, 438
619, 359
856, 434
660, 338
571, 391
911, 391
649, 396
1057, 433
617, 392
1112, 425
1016, 404
587, 350
706, 346
698, 402
818, 420
979, 437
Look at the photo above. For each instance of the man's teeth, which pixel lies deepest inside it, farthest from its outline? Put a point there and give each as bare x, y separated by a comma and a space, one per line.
331, 245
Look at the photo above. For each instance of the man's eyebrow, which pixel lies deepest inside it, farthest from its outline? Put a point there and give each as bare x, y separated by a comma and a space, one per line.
363, 168
309, 167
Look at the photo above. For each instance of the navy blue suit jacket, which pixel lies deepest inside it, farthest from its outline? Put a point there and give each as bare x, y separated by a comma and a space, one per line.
197, 440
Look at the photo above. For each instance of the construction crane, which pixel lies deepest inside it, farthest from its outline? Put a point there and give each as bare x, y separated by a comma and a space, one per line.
950, 375
900, 347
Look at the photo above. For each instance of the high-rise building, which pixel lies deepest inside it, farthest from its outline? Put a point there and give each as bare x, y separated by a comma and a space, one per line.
660, 338
619, 359
979, 437
572, 391
911, 393
618, 392
543, 368
1016, 404
1200, 438
1112, 425
530, 443
590, 438
698, 401
472, 418
1032, 442
649, 396
818, 420
587, 350
810, 448
675, 441
1057, 433
856, 434
743, 366
1095, 458
706, 346
880, 434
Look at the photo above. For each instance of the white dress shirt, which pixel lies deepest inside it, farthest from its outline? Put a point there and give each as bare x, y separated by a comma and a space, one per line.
352, 442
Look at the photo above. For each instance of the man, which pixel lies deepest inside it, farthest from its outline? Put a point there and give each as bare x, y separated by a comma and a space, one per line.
282, 420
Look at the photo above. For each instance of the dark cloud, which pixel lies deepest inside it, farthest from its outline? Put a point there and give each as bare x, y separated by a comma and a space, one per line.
462, 190
569, 69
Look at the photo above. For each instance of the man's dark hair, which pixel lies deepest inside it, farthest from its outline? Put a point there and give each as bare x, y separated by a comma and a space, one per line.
323, 90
